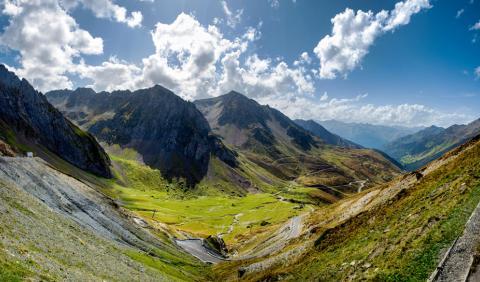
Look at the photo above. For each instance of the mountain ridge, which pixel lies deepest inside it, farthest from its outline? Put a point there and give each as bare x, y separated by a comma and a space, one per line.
273, 141
168, 132
416, 150
28, 122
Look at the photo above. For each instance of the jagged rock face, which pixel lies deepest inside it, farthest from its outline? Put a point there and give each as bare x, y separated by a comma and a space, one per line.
26, 114
170, 133
246, 124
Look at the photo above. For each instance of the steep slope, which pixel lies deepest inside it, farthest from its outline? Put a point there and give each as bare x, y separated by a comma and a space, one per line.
416, 150
274, 142
168, 132
62, 229
367, 135
325, 135
29, 123
395, 232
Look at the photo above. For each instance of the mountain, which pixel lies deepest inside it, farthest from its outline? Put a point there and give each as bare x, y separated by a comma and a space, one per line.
28, 122
169, 133
272, 141
325, 135
367, 135
416, 150
419, 224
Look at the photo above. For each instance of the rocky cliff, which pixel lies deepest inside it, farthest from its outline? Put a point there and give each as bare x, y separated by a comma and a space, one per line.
28, 122
169, 133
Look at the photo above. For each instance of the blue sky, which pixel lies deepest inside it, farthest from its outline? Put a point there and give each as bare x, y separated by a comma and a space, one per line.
416, 60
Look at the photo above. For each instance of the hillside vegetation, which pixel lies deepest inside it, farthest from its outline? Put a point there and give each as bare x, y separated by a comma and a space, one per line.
395, 232
416, 150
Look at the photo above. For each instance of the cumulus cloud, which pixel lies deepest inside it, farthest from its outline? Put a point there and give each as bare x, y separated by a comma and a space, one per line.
197, 61
110, 75
233, 17
477, 72
355, 110
48, 40
106, 9
354, 33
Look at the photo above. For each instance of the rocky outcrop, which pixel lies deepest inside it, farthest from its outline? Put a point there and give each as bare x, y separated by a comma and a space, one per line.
6, 150
169, 133
29, 122
217, 244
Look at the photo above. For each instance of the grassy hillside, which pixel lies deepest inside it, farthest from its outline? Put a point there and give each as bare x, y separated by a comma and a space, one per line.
204, 211
396, 232
41, 244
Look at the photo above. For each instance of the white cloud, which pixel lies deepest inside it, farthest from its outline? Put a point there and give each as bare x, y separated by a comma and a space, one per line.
354, 110
354, 33
197, 61
476, 26
477, 72
404, 11
233, 18
459, 13
110, 75
274, 3
106, 9
48, 41
324, 97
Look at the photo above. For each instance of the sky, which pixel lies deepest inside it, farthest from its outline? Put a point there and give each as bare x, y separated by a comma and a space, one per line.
409, 63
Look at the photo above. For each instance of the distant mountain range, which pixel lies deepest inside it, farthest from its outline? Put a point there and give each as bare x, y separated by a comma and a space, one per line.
29, 123
274, 142
231, 139
326, 135
416, 150
367, 135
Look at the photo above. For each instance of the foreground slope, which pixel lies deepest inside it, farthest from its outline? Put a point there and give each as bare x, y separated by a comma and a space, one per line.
62, 229
395, 232
416, 150
29, 123
168, 132
274, 142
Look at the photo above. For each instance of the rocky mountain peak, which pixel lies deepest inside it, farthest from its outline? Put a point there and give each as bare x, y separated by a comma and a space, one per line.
30, 122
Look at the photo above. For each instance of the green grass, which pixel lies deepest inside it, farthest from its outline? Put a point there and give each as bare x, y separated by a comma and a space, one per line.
11, 270
207, 215
402, 239
173, 268
202, 211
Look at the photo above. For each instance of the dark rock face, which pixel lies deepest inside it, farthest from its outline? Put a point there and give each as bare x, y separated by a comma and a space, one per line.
28, 115
170, 133
216, 244
245, 113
